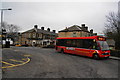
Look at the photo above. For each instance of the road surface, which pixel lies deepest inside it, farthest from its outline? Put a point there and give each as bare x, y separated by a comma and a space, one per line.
47, 63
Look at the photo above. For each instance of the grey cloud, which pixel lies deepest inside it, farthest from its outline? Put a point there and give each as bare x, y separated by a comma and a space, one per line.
58, 15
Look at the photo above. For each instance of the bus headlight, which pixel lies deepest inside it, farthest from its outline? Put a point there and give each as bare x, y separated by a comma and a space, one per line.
106, 54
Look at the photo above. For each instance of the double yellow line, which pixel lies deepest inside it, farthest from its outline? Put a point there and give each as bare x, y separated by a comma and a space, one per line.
12, 65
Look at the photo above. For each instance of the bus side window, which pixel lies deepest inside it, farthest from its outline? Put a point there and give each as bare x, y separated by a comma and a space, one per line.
68, 43
87, 43
79, 43
60, 42
74, 43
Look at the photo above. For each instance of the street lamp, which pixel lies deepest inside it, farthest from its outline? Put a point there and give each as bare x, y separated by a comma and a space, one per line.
2, 15
2, 22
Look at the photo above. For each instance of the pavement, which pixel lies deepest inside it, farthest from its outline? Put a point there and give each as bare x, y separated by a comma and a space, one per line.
115, 58
0, 63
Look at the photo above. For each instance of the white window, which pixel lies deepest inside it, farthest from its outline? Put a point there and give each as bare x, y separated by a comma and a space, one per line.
33, 35
74, 34
29, 35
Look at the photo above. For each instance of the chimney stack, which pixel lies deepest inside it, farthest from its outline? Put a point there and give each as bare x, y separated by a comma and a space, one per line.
86, 28
48, 29
42, 28
54, 31
91, 31
83, 25
35, 26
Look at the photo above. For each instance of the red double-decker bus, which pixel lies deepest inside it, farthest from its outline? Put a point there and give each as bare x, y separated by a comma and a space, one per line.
93, 46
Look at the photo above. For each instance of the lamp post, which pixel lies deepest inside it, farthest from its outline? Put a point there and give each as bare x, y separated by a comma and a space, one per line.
2, 23
2, 16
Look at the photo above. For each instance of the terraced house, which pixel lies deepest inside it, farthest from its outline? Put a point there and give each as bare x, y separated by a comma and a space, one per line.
35, 36
76, 31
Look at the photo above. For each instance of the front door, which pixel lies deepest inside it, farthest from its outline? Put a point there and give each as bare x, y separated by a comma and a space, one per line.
33, 43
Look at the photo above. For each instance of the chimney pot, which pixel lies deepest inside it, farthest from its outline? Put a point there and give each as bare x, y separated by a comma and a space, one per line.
42, 28
48, 29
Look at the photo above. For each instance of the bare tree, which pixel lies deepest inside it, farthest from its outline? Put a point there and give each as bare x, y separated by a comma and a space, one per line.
11, 30
112, 27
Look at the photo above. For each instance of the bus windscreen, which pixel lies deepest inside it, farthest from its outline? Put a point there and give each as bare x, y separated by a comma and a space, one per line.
103, 45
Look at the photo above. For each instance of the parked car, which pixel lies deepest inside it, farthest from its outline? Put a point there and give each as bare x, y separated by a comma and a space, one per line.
18, 45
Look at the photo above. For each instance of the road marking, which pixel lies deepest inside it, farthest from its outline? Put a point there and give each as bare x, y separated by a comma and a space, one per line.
7, 63
16, 60
23, 58
28, 60
27, 55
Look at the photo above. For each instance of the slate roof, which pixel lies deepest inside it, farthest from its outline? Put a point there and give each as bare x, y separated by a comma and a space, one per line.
72, 28
40, 31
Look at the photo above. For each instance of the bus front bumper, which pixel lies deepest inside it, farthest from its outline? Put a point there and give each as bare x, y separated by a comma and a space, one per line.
105, 55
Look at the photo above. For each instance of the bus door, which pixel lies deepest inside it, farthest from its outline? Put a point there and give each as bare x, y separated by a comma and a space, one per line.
94, 47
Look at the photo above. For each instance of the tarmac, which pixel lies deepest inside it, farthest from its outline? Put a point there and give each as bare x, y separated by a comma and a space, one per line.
15, 58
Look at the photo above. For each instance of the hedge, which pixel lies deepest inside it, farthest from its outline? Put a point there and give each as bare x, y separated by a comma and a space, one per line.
115, 53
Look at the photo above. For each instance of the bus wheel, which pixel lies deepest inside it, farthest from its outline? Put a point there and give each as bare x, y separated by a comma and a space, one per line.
56, 48
107, 57
96, 56
62, 51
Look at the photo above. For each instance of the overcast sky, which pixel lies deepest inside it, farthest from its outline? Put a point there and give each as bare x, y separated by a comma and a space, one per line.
58, 15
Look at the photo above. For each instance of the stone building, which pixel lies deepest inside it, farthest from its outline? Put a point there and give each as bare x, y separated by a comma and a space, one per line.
76, 31
35, 36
